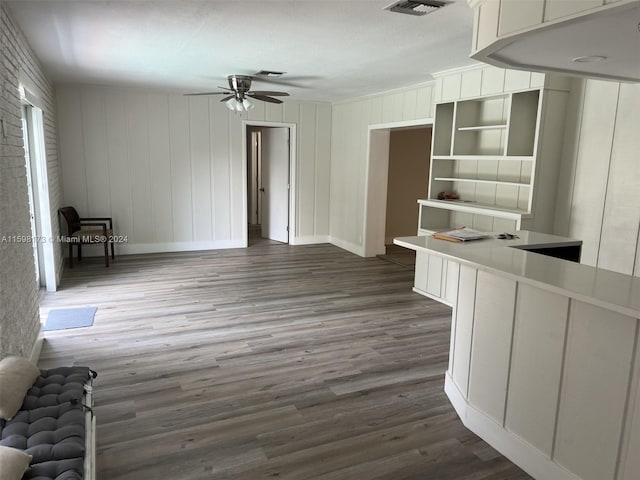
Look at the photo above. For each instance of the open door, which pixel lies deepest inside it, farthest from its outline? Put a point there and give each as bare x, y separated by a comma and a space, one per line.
275, 184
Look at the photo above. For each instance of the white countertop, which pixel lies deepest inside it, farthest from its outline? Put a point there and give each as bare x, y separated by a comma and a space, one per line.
604, 288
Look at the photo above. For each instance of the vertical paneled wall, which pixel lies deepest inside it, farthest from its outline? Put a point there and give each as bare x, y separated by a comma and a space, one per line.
169, 168
20, 321
599, 197
349, 147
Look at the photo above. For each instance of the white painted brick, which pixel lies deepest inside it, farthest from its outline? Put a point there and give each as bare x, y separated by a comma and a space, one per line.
20, 320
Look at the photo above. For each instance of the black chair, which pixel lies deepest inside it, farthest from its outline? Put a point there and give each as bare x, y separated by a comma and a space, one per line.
78, 234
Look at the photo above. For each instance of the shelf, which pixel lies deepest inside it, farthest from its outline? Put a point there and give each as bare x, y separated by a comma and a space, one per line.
475, 180
477, 208
483, 127
499, 158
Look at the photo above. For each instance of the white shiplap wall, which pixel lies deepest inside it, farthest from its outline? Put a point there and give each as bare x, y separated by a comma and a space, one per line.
351, 120
599, 194
169, 168
349, 138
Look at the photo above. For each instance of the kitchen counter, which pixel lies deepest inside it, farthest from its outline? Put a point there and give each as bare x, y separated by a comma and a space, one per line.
544, 361
513, 258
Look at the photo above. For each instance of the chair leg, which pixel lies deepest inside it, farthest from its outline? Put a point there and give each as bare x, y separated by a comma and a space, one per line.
79, 252
113, 255
106, 254
70, 255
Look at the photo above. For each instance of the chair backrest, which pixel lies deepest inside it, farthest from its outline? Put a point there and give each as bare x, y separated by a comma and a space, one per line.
72, 219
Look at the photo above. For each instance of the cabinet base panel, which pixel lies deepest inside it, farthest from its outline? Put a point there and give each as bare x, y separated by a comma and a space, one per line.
433, 297
523, 454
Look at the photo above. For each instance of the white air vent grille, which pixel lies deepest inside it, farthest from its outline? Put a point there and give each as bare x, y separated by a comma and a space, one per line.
268, 73
417, 7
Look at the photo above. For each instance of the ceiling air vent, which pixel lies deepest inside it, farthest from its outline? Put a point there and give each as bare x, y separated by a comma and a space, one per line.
268, 73
417, 7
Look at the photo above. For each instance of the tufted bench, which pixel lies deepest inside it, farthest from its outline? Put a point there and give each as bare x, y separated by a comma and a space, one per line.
55, 426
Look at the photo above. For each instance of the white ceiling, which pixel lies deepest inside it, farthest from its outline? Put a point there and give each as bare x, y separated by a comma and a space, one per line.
331, 49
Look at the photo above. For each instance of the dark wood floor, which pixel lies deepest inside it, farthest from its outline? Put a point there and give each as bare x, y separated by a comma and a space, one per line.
274, 361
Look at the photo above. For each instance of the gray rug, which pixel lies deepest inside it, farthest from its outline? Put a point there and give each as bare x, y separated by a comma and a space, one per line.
65, 318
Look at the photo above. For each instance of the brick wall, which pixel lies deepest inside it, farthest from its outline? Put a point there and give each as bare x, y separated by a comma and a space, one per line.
19, 310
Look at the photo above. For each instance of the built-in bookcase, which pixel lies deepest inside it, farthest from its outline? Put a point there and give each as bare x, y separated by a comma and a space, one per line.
486, 150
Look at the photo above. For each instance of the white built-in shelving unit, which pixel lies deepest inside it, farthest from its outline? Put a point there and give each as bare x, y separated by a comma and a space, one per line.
487, 150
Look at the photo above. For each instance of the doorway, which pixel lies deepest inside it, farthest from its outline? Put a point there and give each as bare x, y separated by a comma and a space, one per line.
397, 176
268, 162
38, 191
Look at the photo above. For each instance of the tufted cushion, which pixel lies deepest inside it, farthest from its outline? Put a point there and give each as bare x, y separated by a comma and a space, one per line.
13, 463
71, 469
16, 377
50, 426
47, 433
57, 386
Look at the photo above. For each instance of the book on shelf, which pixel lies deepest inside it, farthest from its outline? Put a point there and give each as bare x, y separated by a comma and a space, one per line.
460, 234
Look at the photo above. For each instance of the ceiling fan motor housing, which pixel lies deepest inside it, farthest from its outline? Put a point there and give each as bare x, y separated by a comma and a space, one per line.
240, 83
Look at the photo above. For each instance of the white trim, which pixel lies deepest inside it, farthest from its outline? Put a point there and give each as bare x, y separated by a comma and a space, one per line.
348, 246
293, 160
523, 454
453, 71
393, 91
309, 239
34, 356
40, 183
160, 247
28, 95
376, 173
420, 122
433, 297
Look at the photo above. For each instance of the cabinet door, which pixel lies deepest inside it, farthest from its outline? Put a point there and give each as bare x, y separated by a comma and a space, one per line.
450, 282
422, 269
434, 276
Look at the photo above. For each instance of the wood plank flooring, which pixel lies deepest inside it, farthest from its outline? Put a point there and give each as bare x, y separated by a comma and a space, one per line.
276, 361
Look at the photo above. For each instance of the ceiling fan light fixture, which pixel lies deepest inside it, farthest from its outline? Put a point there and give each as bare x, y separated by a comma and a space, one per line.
237, 105
231, 103
247, 104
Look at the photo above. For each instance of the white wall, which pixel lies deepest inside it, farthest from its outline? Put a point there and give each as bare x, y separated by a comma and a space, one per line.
349, 138
19, 295
168, 168
599, 189
351, 120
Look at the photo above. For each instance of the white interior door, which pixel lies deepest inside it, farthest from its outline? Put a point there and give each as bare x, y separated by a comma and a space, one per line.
275, 184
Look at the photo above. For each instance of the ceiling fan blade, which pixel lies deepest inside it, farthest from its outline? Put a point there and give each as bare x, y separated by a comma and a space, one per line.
286, 81
272, 94
206, 93
264, 98
227, 98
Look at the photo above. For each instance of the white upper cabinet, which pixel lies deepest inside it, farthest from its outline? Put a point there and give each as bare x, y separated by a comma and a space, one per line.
593, 38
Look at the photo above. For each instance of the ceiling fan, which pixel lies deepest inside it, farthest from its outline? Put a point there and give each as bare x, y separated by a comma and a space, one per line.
239, 93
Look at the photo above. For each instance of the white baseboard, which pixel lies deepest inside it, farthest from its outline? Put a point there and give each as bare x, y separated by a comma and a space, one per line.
433, 297
34, 356
523, 454
309, 240
348, 246
162, 247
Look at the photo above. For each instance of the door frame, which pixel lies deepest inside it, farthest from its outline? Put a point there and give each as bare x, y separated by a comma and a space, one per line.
376, 186
292, 176
40, 183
